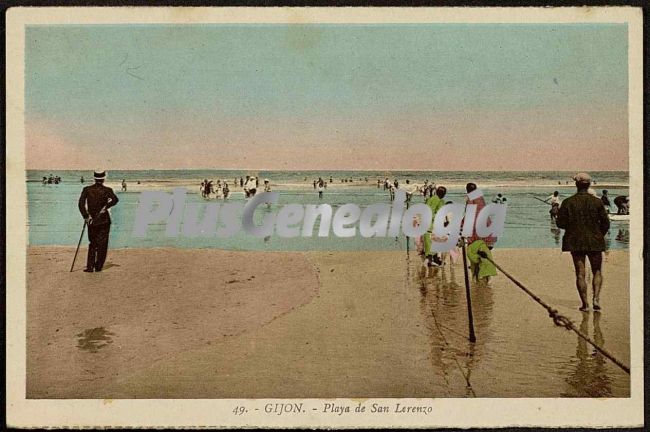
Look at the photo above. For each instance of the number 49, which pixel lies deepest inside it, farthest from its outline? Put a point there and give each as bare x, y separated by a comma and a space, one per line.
239, 410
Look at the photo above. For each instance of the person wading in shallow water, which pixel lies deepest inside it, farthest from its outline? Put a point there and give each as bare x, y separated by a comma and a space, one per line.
555, 201
435, 203
585, 221
622, 204
94, 202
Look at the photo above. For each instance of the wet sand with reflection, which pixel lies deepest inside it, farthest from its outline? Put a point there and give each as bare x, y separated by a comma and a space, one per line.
379, 324
519, 352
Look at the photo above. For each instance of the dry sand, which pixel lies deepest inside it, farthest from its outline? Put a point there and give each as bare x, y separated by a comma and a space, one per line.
174, 323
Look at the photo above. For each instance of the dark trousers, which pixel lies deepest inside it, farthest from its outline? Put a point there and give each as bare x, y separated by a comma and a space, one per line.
98, 237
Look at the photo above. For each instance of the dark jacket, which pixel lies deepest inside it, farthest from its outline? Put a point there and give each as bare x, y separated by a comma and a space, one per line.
585, 222
93, 198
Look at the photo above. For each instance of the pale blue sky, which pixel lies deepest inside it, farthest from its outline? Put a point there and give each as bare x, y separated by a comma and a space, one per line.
284, 91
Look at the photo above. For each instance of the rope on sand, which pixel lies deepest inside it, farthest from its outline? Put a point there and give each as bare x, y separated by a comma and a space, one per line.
446, 342
561, 320
460, 369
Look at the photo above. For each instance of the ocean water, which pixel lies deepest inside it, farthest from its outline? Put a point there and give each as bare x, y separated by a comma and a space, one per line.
53, 217
294, 178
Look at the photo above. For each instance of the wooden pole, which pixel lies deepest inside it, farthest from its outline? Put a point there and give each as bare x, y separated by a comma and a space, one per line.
407, 237
470, 317
539, 199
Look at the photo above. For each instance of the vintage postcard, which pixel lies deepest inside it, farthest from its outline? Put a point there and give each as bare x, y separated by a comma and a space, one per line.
324, 218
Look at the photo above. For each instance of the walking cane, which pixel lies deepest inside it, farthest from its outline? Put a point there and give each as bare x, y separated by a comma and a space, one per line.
78, 244
470, 317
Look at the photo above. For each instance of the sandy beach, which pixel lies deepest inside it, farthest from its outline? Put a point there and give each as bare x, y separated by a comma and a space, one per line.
205, 323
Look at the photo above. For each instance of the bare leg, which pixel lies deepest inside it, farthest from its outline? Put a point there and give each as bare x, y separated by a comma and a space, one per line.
474, 269
597, 285
596, 260
581, 283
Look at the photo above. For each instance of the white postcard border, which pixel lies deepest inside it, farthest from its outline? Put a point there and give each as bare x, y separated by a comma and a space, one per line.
219, 413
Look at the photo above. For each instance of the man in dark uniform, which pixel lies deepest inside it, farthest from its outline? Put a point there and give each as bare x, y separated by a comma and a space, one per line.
585, 221
94, 203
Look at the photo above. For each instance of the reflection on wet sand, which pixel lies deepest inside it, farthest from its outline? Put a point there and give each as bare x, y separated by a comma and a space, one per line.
518, 351
556, 233
588, 376
443, 306
623, 236
94, 339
